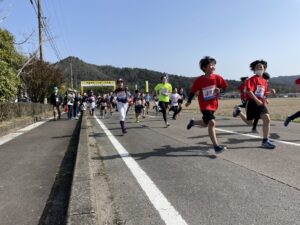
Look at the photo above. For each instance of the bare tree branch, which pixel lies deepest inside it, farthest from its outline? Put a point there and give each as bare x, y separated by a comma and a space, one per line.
26, 63
26, 39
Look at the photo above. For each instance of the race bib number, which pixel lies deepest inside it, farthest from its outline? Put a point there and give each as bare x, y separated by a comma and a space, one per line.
165, 91
121, 95
209, 92
260, 91
56, 99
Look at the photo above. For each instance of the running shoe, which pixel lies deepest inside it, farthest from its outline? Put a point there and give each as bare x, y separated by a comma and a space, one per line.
268, 144
190, 124
167, 124
124, 131
236, 111
287, 121
219, 148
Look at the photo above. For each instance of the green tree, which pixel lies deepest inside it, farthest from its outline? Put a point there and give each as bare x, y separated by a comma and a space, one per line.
10, 62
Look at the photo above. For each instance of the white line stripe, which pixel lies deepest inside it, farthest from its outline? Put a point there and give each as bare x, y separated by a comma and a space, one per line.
167, 212
255, 136
32, 126
8, 137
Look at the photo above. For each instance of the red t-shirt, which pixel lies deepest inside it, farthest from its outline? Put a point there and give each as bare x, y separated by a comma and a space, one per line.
208, 99
242, 89
297, 81
259, 86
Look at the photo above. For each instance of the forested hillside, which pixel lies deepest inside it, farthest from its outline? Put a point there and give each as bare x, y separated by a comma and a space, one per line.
137, 76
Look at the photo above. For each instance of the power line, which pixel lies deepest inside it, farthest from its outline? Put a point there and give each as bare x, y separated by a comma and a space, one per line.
46, 30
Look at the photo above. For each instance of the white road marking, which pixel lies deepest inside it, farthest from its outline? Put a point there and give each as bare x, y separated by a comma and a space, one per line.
6, 138
32, 126
255, 136
167, 212
9, 137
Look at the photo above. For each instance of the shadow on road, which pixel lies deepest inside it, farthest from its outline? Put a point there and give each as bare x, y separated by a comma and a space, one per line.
166, 151
55, 211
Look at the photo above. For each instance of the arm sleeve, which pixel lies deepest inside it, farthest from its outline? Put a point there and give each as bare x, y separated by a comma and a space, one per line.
222, 83
191, 96
195, 88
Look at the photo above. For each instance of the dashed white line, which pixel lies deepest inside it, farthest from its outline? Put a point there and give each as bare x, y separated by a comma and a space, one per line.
167, 212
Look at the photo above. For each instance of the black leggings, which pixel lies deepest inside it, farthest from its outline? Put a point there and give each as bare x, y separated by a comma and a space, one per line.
163, 107
294, 116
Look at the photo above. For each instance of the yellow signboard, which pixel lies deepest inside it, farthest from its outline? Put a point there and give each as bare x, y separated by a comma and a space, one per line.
98, 83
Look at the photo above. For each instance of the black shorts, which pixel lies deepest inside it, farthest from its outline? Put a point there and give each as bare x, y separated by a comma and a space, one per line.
138, 109
207, 116
163, 105
254, 111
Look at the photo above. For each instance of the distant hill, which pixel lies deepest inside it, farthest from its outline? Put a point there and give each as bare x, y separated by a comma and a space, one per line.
85, 71
288, 80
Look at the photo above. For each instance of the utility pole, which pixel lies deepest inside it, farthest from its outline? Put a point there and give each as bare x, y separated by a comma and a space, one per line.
40, 29
71, 75
76, 81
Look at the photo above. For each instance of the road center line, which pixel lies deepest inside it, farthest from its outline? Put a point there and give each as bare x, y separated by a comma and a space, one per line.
167, 212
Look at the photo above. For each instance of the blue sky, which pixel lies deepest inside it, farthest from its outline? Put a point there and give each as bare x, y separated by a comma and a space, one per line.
166, 35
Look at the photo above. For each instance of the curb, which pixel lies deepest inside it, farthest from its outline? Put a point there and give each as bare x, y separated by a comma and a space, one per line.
81, 208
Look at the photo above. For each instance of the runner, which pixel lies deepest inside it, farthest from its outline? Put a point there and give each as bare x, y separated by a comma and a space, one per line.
180, 100
155, 107
243, 92
257, 89
121, 96
138, 104
102, 102
295, 115
147, 99
163, 91
266, 76
208, 86
174, 103
92, 103
109, 104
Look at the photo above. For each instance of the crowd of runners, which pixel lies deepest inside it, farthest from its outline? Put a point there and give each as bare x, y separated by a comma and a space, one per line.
253, 90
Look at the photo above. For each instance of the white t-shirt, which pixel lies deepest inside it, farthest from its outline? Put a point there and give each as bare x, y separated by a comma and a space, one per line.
174, 99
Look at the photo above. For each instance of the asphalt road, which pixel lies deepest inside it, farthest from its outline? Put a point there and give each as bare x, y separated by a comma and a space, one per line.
246, 184
32, 166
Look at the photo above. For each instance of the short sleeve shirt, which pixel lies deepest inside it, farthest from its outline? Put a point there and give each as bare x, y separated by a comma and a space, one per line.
164, 91
206, 86
258, 85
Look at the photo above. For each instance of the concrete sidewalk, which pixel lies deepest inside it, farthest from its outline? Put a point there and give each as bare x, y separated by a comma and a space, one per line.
36, 174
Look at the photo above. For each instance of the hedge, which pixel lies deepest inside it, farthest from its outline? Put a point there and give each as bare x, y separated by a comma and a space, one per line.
13, 110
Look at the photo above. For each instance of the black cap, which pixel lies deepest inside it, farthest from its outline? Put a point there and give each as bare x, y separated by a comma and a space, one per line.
266, 76
243, 78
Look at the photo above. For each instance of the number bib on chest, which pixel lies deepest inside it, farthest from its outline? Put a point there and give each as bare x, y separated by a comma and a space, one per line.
209, 92
260, 91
